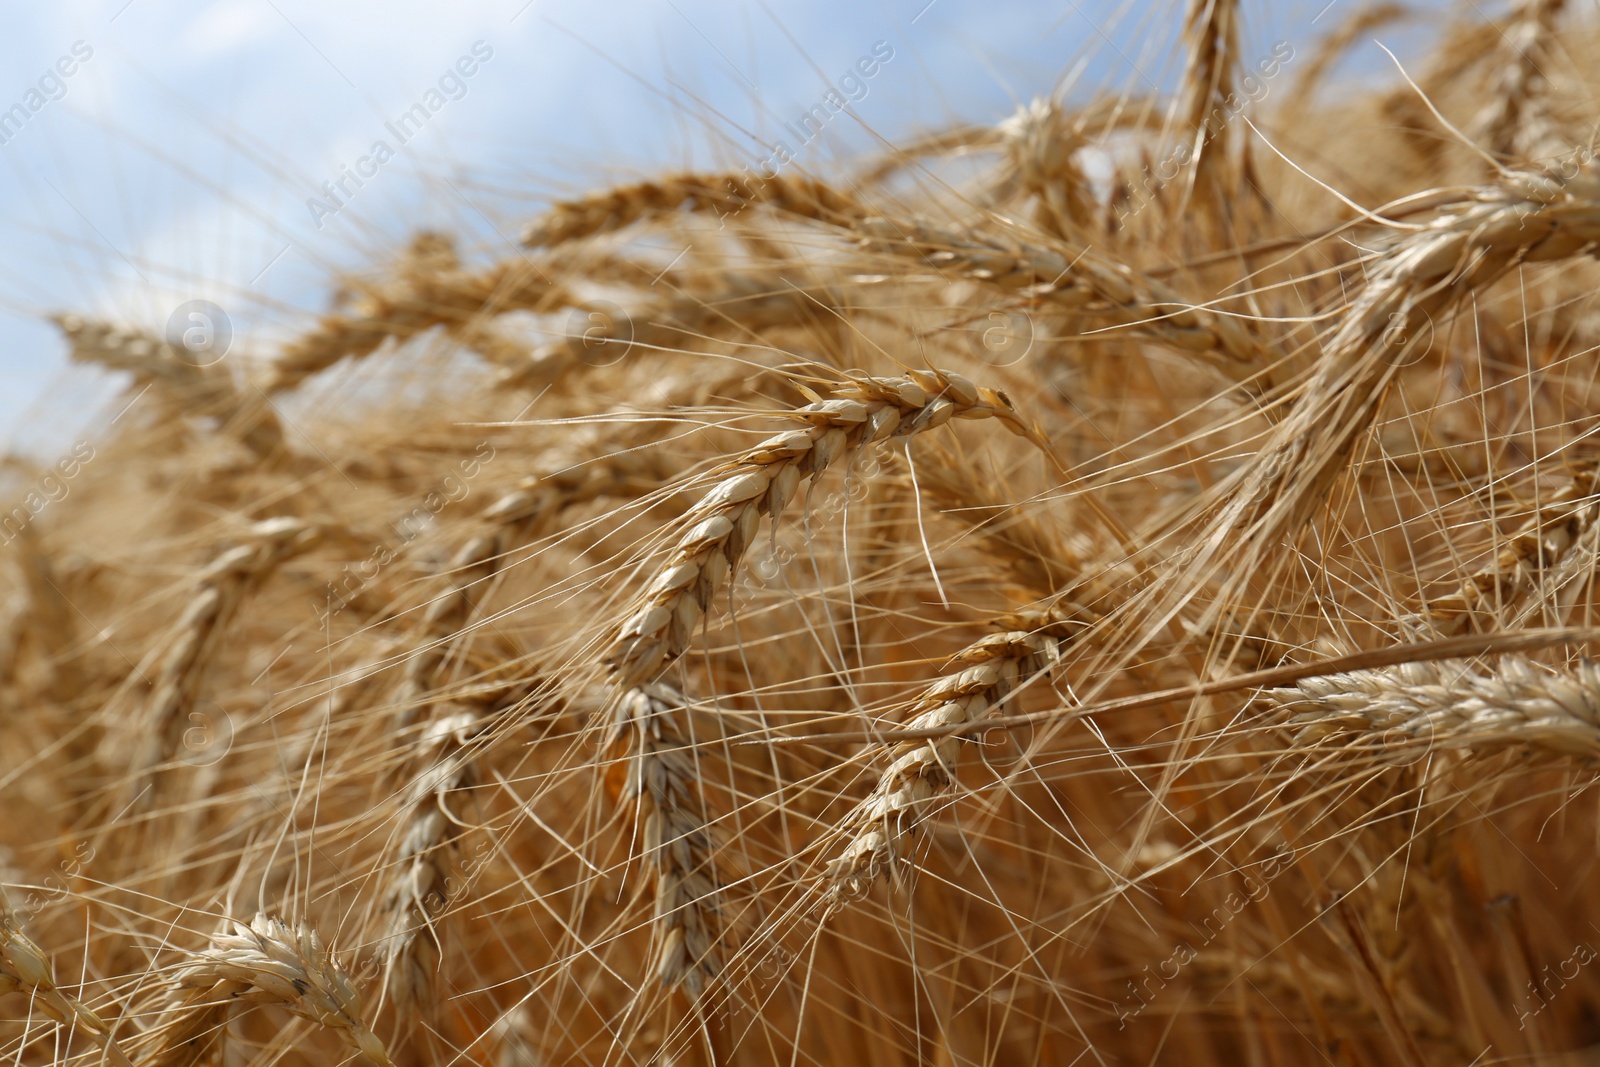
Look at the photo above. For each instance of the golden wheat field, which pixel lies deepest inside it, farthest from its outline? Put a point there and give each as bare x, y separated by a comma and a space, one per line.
1110, 586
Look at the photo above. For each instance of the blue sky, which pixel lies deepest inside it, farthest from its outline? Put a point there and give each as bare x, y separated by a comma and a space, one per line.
176, 161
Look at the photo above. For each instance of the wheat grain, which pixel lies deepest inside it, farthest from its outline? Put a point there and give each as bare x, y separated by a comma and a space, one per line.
745, 308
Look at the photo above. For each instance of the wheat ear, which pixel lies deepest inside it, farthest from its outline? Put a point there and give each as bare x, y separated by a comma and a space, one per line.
414, 899
883, 827
1472, 242
1211, 41
1073, 279
1538, 547
1449, 705
1041, 141
743, 308
661, 780
269, 961
762, 482
416, 894
194, 388
724, 194
24, 968
425, 295
515, 516
219, 591
1517, 122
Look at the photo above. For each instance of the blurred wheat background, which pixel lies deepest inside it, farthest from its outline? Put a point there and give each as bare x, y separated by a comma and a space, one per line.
1097, 568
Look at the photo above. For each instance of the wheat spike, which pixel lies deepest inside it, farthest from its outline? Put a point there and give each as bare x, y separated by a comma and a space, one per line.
920, 772
1076, 280
762, 482
1538, 547
1517, 123
193, 387
673, 835
270, 961
219, 591
24, 968
427, 292
1472, 241
725, 194
1449, 705
1041, 140
1211, 40
416, 898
